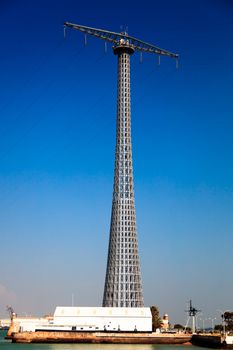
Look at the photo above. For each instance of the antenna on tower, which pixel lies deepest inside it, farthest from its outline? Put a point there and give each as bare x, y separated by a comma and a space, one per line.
140, 57
158, 60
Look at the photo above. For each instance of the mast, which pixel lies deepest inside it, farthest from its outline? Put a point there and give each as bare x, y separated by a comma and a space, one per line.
123, 286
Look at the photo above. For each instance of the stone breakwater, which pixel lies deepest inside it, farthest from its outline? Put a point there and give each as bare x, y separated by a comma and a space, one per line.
99, 337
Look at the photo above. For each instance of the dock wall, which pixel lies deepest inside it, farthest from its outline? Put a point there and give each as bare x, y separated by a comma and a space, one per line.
95, 337
209, 341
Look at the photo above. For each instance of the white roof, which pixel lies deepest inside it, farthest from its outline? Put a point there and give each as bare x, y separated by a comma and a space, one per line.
67, 311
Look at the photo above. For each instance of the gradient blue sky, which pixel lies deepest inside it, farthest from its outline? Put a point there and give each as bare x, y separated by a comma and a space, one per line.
57, 139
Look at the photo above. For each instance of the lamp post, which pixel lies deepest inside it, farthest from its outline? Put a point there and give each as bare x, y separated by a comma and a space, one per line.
203, 324
197, 318
223, 320
212, 321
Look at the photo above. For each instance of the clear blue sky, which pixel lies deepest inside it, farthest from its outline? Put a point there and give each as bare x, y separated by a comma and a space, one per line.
57, 139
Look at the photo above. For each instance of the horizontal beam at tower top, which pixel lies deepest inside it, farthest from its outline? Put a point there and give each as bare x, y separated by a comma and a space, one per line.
118, 38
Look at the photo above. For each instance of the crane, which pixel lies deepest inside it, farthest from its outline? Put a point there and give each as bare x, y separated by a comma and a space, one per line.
192, 312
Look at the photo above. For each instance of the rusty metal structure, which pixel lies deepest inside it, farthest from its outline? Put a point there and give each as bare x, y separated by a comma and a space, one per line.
123, 284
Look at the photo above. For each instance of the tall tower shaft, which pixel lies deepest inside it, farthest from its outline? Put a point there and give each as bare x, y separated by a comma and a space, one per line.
123, 286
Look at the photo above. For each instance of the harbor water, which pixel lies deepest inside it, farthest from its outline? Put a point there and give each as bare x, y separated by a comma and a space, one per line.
7, 345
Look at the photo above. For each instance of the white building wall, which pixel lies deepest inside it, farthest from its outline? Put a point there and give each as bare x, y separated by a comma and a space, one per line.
91, 319
104, 318
28, 324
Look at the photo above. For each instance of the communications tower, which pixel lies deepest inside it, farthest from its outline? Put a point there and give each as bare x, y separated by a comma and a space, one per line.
123, 284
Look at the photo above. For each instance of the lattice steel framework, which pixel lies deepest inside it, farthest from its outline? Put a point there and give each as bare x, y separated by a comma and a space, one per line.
123, 285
